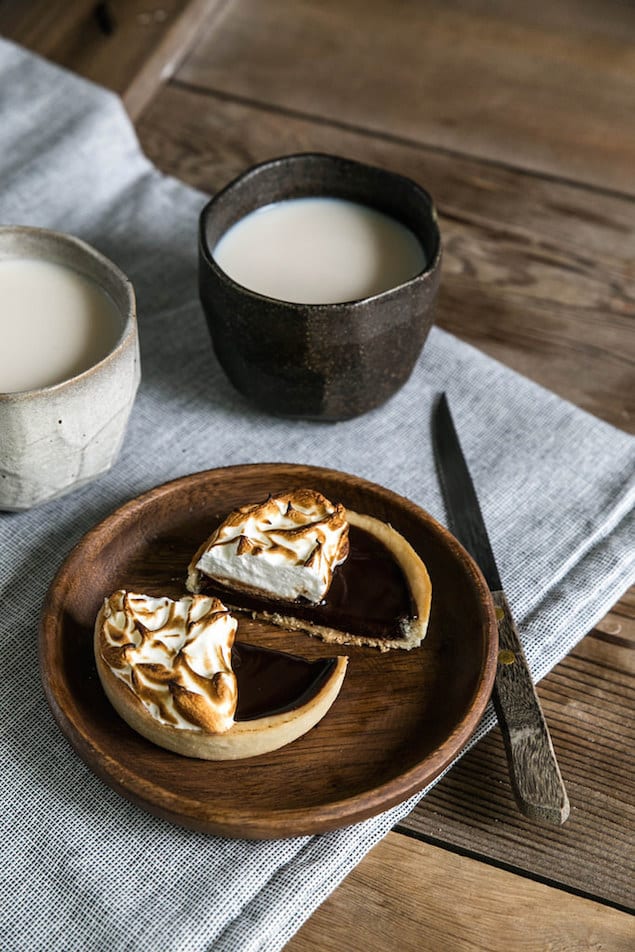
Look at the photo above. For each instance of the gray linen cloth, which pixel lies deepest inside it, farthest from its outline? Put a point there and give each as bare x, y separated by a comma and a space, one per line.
83, 869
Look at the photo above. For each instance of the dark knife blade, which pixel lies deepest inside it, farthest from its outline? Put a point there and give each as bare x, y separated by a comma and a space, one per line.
534, 771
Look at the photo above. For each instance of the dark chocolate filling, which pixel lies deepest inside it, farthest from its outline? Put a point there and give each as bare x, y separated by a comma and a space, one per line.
271, 682
369, 594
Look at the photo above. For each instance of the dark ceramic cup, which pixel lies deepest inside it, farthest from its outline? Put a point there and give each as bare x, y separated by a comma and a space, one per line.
318, 361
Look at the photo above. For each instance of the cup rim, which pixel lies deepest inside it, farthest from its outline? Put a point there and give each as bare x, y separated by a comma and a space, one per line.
426, 273
129, 329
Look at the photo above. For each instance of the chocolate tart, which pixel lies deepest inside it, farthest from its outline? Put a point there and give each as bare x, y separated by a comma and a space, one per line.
277, 697
379, 596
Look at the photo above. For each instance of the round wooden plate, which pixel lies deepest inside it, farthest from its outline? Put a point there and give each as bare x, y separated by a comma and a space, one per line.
400, 718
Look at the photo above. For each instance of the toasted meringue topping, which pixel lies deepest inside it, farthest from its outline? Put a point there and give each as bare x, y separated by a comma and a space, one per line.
287, 546
175, 656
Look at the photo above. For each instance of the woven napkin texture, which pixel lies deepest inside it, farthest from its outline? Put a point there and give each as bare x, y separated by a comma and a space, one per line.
83, 869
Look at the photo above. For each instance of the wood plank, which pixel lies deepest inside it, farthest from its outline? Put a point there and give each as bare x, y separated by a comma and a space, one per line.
539, 274
45, 26
588, 699
546, 86
129, 46
418, 898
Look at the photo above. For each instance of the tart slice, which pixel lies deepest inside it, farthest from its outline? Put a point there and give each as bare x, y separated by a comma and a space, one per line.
173, 672
303, 563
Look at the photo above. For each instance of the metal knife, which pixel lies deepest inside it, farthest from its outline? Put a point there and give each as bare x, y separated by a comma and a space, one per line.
535, 775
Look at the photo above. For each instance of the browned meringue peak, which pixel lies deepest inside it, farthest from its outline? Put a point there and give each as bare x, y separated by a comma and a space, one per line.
175, 656
287, 546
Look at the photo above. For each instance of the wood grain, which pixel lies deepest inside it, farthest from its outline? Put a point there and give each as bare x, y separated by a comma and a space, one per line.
539, 274
431, 900
129, 46
545, 87
47, 26
400, 717
588, 701
536, 777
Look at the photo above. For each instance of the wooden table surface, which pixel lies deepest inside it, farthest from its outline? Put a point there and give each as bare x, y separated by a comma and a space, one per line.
520, 120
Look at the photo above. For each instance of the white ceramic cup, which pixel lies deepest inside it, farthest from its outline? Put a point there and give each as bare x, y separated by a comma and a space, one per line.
57, 438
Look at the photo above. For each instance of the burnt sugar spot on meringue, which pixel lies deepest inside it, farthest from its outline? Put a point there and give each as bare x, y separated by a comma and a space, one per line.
175, 656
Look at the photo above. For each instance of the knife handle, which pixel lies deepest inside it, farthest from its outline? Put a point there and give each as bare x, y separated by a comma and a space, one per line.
535, 775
